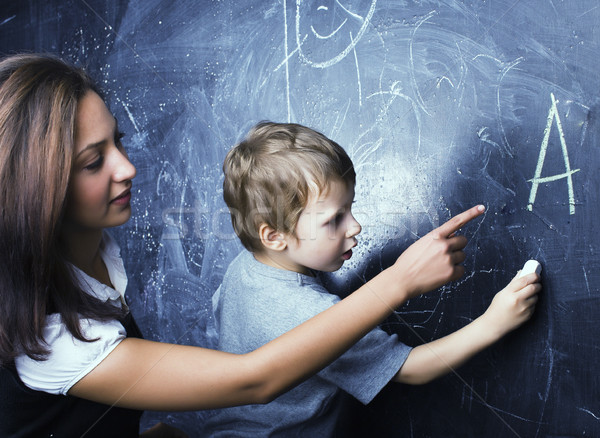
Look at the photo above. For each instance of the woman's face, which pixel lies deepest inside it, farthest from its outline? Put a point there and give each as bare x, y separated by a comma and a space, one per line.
100, 185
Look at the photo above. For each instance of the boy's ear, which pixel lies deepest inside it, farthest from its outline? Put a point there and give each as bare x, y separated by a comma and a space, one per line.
271, 238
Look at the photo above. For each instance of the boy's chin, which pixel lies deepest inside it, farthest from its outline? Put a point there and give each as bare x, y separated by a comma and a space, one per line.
332, 268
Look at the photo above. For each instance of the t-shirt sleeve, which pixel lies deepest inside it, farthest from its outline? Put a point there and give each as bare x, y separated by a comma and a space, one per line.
366, 368
70, 359
363, 370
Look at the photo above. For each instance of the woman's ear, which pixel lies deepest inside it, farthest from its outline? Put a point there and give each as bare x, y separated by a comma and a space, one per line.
271, 238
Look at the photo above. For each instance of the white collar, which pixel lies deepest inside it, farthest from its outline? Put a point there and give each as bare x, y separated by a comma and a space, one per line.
111, 256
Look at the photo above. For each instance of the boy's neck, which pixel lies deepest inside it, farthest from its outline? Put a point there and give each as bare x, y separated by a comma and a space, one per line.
277, 260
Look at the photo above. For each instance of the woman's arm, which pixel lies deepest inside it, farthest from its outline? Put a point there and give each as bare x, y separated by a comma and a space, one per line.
151, 375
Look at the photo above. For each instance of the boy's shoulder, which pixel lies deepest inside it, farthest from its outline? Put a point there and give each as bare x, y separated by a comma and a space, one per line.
246, 267
247, 276
270, 300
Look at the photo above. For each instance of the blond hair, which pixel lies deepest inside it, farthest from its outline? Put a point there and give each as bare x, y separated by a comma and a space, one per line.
272, 173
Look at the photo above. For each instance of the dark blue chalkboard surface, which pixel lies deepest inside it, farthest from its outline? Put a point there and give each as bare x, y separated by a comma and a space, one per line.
441, 105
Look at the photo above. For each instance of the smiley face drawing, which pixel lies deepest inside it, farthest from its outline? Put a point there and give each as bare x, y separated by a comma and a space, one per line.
332, 32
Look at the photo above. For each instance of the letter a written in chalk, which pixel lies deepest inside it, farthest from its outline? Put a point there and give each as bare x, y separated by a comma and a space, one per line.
537, 179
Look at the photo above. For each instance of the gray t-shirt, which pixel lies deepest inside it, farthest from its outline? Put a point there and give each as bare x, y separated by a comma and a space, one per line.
257, 303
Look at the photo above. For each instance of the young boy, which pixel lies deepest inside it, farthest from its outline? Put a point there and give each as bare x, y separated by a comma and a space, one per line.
290, 192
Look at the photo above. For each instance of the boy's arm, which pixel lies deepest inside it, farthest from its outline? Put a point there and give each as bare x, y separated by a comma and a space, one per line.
510, 308
143, 374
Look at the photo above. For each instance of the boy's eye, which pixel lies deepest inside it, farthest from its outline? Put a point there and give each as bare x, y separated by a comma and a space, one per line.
336, 219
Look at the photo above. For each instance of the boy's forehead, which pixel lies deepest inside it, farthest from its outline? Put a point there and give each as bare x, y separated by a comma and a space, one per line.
335, 193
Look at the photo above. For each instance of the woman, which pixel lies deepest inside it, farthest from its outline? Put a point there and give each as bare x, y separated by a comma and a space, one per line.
73, 361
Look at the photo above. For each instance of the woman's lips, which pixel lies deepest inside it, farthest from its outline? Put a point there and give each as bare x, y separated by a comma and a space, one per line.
122, 199
347, 255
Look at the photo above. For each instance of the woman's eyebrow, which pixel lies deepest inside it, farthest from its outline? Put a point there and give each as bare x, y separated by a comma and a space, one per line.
101, 142
91, 146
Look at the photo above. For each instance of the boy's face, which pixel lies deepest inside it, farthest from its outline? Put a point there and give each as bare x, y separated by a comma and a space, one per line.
325, 233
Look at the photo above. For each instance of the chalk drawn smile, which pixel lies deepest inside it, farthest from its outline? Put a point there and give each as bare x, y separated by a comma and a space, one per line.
324, 37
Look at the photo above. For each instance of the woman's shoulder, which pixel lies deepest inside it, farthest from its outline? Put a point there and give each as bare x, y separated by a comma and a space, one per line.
69, 358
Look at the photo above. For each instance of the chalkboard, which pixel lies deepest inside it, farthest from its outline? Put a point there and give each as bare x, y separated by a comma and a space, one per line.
441, 105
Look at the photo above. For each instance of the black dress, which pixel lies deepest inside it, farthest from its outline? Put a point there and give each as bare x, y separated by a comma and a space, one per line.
28, 413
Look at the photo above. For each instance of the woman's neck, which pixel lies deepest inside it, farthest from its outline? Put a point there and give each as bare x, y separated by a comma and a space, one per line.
83, 251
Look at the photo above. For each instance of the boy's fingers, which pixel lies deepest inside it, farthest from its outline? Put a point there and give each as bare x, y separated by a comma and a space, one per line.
527, 279
529, 292
458, 257
458, 272
533, 290
457, 243
457, 222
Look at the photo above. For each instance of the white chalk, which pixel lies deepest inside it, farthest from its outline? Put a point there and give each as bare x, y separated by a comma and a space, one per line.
531, 266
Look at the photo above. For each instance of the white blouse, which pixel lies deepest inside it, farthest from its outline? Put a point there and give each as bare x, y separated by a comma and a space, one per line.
71, 359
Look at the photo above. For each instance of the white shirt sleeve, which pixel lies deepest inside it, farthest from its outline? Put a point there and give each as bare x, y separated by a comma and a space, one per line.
70, 359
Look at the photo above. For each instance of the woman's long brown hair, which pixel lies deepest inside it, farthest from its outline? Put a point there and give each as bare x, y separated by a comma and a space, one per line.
39, 95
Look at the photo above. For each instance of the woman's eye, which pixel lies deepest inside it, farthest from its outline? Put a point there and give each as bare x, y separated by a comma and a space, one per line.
96, 164
118, 137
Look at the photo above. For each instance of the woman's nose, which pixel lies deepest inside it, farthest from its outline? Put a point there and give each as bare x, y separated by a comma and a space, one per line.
123, 169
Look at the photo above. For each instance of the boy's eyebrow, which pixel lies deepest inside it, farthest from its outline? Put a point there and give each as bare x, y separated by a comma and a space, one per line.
332, 216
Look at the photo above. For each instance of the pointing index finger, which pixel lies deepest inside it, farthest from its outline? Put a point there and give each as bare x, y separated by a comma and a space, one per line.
458, 221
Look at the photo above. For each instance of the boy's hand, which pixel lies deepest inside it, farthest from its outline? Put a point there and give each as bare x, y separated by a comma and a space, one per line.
435, 258
162, 430
513, 305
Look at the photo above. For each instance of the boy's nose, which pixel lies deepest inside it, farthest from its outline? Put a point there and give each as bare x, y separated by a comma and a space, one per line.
354, 229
